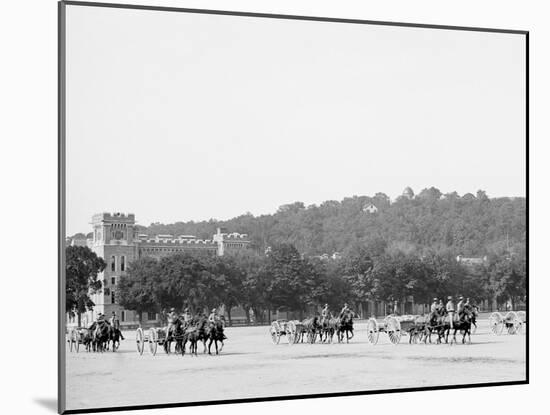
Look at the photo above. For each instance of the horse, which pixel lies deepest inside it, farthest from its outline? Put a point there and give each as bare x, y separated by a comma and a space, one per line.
116, 336
174, 333
191, 335
101, 337
418, 330
462, 323
300, 331
312, 326
87, 337
344, 326
215, 335
328, 325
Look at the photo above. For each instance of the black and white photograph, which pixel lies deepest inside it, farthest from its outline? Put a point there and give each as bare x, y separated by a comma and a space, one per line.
260, 207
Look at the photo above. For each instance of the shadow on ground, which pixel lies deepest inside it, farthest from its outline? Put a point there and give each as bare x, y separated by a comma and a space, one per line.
48, 403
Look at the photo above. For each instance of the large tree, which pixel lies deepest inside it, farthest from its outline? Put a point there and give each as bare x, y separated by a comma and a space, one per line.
136, 288
82, 269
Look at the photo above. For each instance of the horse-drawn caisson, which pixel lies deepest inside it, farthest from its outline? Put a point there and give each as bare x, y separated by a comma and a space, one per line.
181, 331
421, 327
99, 337
514, 322
322, 328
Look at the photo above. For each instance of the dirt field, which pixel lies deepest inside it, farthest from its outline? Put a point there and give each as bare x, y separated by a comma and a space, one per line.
250, 366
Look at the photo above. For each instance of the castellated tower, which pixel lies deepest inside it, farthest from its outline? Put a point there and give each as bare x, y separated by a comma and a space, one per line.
114, 240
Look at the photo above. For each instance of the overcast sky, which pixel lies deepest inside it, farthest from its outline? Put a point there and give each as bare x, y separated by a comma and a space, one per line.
176, 116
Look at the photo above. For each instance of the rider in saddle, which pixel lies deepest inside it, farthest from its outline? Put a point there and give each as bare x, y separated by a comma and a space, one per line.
460, 308
213, 317
100, 320
172, 318
187, 317
325, 313
115, 322
450, 307
434, 312
346, 311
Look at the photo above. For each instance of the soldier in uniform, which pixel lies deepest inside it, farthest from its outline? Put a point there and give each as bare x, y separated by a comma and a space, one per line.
213, 317
172, 317
460, 308
187, 316
434, 312
325, 313
450, 307
345, 310
113, 321
441, 308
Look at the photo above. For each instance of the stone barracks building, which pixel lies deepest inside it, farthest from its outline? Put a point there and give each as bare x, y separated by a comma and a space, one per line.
116, 240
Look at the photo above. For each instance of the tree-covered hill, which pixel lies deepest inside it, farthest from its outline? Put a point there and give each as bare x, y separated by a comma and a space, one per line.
471, 225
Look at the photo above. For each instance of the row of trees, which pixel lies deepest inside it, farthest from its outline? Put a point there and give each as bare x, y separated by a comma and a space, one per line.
286, 280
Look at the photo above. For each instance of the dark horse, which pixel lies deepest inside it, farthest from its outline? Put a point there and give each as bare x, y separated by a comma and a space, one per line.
312, 326
463, 324
329, 325
115, 336
174, 334
215, 334
344, 326
101, 337
191, 335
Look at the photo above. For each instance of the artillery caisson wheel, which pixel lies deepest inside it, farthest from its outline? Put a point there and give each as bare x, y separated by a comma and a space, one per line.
77, 340
523, 319
274, 332
496, 323
291, 332
153, 341
512, 322
70, 340
393, 328
372, 331
140, 341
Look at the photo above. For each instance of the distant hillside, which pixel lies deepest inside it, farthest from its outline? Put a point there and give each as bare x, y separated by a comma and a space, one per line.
471, 225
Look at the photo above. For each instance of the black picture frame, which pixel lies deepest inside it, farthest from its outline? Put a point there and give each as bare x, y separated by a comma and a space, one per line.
62, 5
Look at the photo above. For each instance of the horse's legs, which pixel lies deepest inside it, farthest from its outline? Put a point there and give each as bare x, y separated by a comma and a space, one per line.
209, 345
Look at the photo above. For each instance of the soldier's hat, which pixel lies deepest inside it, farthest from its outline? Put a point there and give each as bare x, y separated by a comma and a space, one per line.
449, 298
461, 298
172, 309
186, 309
435, 299
213, 310
113, 312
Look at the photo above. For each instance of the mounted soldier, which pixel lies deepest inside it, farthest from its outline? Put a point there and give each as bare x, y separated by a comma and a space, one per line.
213, 317
346, 311
460, 308
325, 313
114, 321
172, 319
450, 308
187, 317
434, 312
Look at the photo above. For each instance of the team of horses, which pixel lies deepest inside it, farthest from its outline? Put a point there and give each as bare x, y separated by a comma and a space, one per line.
324, 329
440, 325
100, 337
194, 331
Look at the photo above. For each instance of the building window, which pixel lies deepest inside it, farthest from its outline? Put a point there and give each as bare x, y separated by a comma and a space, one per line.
113, 280
113, 263
123, 315
122, 262
151, 316
113, 297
